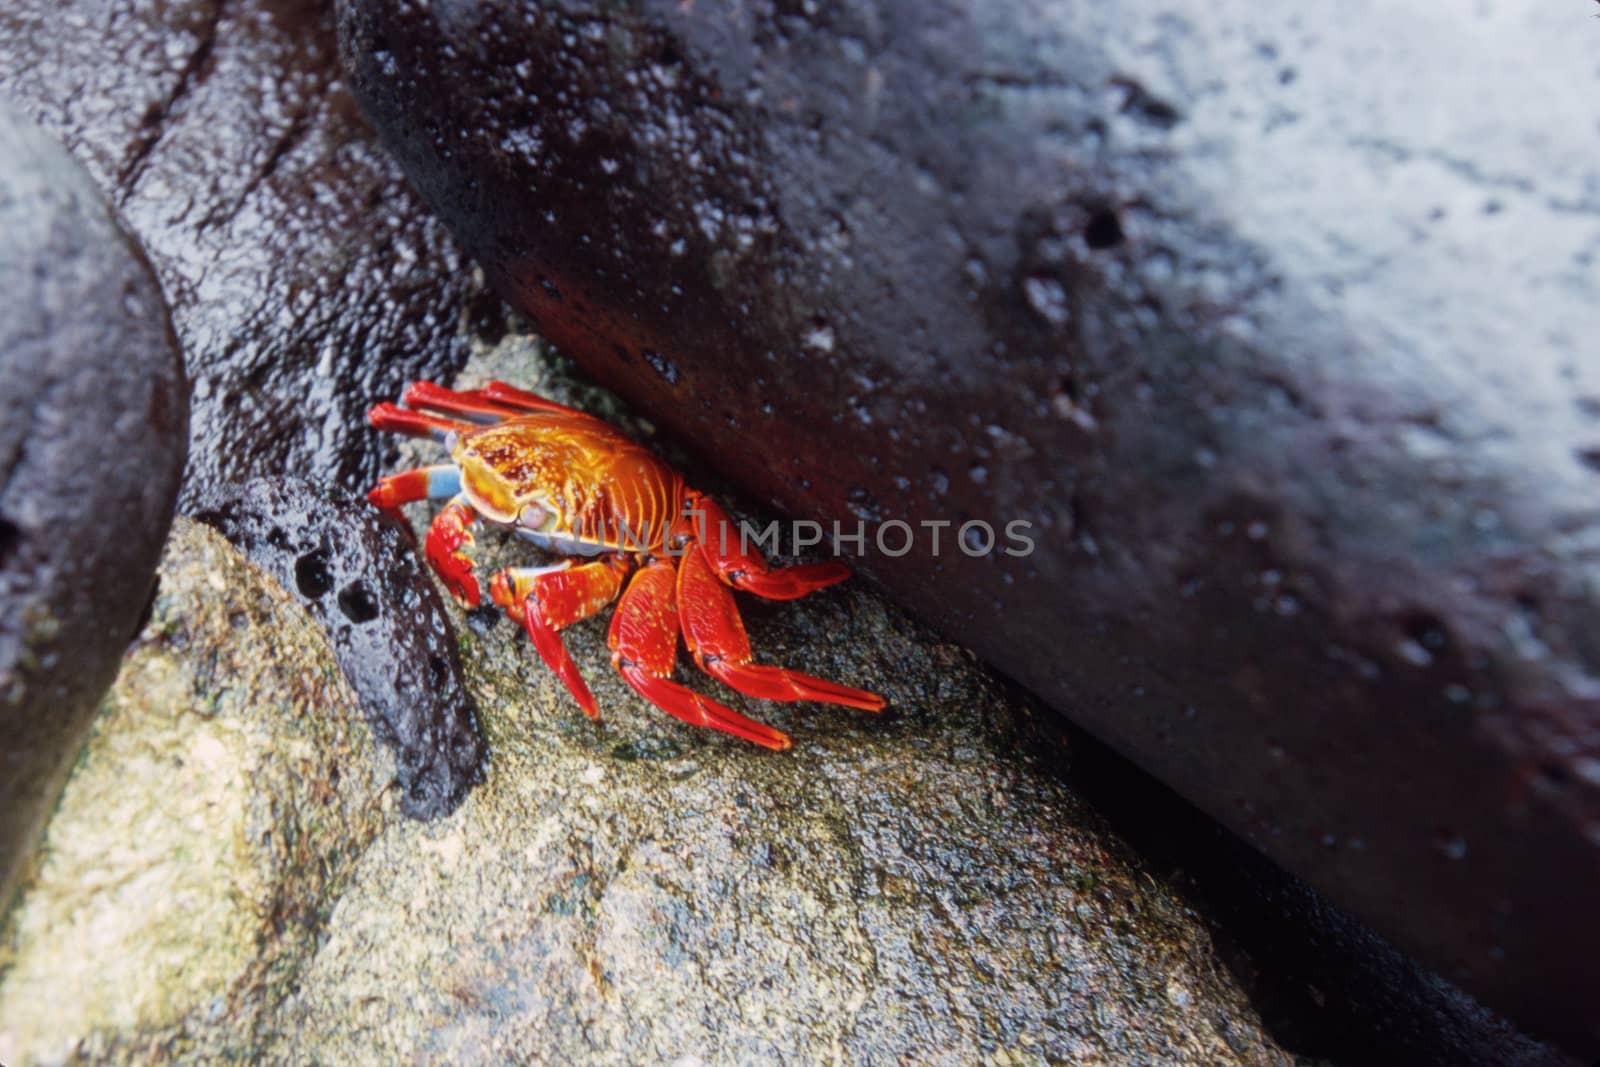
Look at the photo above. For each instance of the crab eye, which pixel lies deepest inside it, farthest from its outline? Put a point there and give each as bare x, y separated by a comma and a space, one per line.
532, 516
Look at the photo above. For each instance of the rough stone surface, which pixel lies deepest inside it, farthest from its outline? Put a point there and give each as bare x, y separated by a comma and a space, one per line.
91, 451
1327, 987
1272, 321
225, 796
304, 277
909, 886
357, 572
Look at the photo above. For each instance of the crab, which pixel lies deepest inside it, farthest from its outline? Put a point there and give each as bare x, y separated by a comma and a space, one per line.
625, 525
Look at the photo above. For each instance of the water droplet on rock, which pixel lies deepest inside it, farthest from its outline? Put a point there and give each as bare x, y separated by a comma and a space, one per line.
662, 366
1047, 297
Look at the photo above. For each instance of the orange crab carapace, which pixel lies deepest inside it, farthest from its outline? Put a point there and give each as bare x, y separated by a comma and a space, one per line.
623, 522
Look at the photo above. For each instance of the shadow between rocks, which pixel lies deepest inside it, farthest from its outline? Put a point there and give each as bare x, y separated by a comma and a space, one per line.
1325, 985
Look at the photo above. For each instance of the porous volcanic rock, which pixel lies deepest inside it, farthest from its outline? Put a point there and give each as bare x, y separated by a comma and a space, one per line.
1271, 321
91, 452
358, 573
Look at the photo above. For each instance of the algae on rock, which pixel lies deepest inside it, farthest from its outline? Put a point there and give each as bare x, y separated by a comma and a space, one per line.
210, 820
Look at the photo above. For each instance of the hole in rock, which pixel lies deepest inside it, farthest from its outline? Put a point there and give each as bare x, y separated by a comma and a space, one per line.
1103, 230
358, 603
311, 575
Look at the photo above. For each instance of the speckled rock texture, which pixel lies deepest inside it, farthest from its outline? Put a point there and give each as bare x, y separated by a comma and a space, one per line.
225, 796
1273, 321
227, 878
303, 275
357, 572
91, 451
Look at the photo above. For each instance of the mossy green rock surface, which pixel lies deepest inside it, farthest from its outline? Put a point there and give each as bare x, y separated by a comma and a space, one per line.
212, 820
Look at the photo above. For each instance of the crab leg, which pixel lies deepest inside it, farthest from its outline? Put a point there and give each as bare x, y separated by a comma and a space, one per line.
471, 404
396, 419
546, 600
446, 536
644, 644
715, 634
424, 483
725, 551
522, 400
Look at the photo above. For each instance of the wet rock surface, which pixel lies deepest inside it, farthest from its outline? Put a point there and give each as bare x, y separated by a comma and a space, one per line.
91, 451
1180, 285
1326, 987
225, 796
628, 891
358, 573
304, 277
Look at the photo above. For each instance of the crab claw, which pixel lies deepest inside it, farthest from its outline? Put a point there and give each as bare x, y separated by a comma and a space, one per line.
546, 600
424, 483
715, 634
446, 536
644, 644
726, 552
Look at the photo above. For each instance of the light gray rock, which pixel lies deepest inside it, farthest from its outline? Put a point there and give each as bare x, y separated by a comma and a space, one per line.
223, 797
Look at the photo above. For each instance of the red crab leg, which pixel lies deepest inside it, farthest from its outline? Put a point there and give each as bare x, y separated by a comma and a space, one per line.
471, 403
727, 554
548, 599
715, 634
446, 536
394, 418
522, 400
424, 483
644, 645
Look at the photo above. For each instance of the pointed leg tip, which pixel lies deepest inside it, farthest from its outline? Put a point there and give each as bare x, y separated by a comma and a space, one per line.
821, 575
783, 684
792, 583
759, 733
827, 692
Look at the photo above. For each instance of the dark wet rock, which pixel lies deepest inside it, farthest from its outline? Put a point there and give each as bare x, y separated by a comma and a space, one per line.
304, 278
91, 452
1276, 336
357, 572
224, 798
1326, 985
